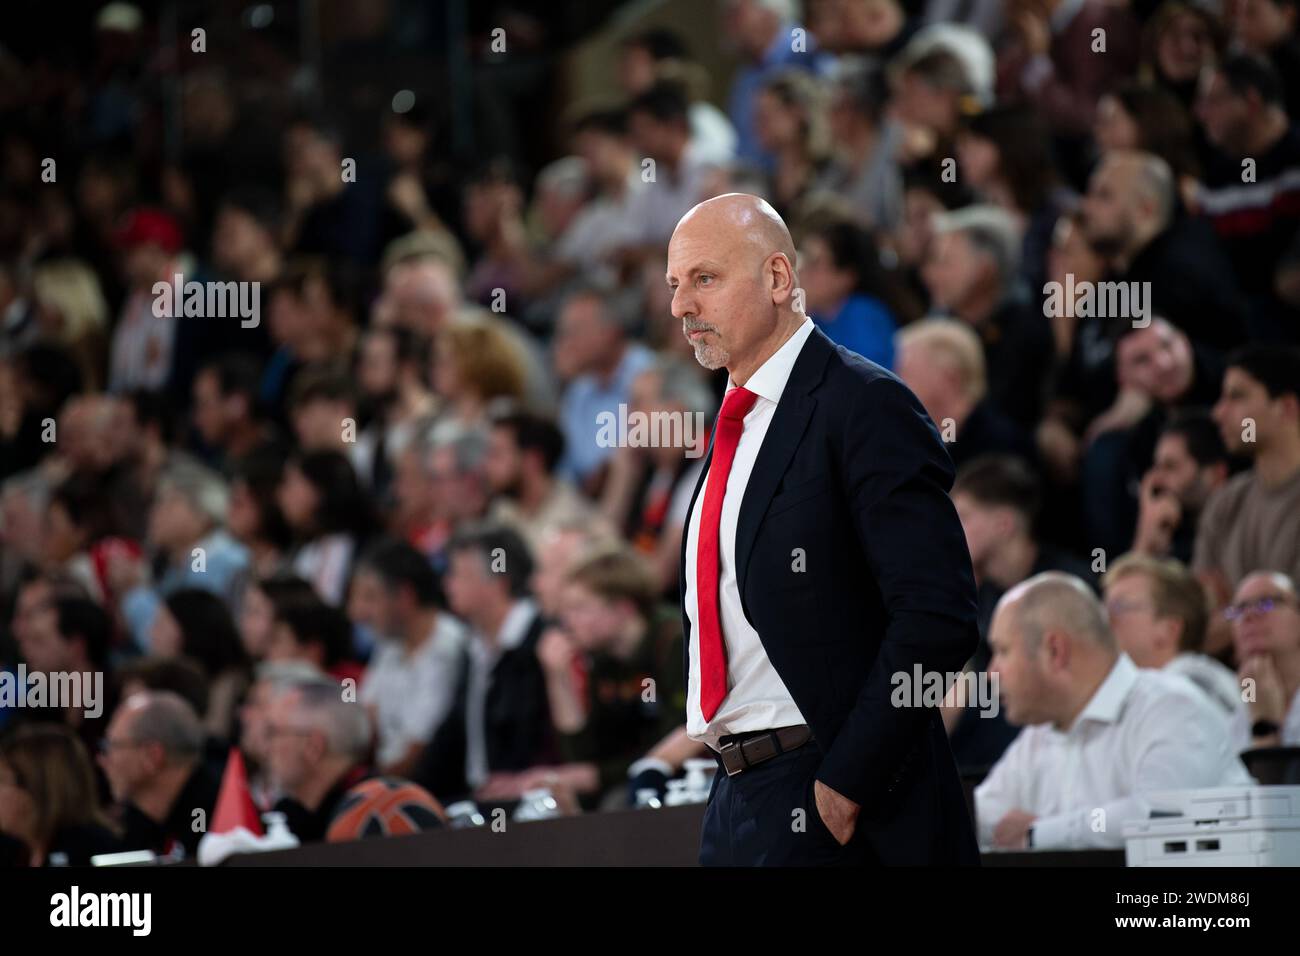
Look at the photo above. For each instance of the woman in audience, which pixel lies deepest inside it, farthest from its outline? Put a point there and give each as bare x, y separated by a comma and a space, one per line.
329, 515
198, 625
262, 602
1178, 43
254, 517
475, 362
1004, 154
314, 632
790, 119
49, 811
1150, 118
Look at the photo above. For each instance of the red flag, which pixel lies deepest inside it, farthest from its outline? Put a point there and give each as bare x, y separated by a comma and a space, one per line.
235, 807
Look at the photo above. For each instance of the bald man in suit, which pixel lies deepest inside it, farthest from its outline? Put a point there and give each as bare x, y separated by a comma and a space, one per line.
821, 557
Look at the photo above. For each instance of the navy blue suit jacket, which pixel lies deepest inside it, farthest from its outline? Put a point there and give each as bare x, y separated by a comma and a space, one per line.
852, 479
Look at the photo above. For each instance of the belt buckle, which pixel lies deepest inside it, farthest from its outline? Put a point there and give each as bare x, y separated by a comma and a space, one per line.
734, 745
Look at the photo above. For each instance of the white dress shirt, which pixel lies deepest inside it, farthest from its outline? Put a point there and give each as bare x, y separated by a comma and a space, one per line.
1142, 731
757, 698
412, 693
482, 660
656, 209
141, 352
324, 563
1217, 682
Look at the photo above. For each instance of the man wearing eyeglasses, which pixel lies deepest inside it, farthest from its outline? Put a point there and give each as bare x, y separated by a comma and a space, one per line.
1265, 623
316, 745
151, 755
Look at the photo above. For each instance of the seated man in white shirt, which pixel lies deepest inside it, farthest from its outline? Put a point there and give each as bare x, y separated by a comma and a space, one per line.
1099, 734
1265, 618
410, 683
1157, 613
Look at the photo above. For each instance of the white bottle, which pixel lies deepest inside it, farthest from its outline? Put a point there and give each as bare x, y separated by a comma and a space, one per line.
278, 835
677, 794
699, 778
536, 805
464, 814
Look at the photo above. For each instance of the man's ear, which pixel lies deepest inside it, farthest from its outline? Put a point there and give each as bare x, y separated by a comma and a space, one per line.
780, 275
1056, 650
1290, 403
155, 754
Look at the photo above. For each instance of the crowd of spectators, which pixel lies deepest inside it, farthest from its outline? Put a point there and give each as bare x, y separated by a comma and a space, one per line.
374, 524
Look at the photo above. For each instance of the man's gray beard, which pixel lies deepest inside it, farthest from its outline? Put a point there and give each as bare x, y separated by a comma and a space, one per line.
711, 357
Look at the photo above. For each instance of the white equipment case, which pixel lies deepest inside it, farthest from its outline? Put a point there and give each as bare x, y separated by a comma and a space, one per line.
1219, 826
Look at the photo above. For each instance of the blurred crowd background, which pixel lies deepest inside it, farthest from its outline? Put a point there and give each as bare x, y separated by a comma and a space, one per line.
457, 217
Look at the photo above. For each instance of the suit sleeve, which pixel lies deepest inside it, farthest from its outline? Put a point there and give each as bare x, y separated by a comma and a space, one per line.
896, 475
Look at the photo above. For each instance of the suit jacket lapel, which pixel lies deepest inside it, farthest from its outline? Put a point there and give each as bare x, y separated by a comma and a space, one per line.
681, 573
789, 421
699, 483
784, 432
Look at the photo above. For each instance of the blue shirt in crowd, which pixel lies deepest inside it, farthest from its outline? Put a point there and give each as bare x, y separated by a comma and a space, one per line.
581, 407
749, 80
864, 325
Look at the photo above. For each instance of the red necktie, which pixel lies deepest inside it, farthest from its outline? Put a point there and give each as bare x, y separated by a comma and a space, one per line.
713, 653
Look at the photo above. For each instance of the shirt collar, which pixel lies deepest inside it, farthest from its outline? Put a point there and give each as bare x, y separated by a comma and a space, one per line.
769, 381
1108, 700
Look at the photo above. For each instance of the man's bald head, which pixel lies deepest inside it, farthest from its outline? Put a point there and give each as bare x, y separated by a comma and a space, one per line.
1147, 178
731, 272
1052, 648
1053, 601
1258, 580
1130, 200
741, 218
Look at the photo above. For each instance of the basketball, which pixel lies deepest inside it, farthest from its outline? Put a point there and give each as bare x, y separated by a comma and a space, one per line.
384, 806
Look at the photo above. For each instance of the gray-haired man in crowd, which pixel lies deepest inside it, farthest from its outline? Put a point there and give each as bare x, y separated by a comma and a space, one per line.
152, 755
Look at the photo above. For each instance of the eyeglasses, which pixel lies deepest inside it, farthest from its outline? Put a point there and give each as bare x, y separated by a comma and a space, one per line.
1116, 608
1260, 606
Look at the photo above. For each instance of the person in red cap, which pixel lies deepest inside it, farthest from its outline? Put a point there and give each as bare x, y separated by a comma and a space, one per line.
143, 342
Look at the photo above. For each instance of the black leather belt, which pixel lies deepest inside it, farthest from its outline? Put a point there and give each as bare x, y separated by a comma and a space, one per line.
742, 751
